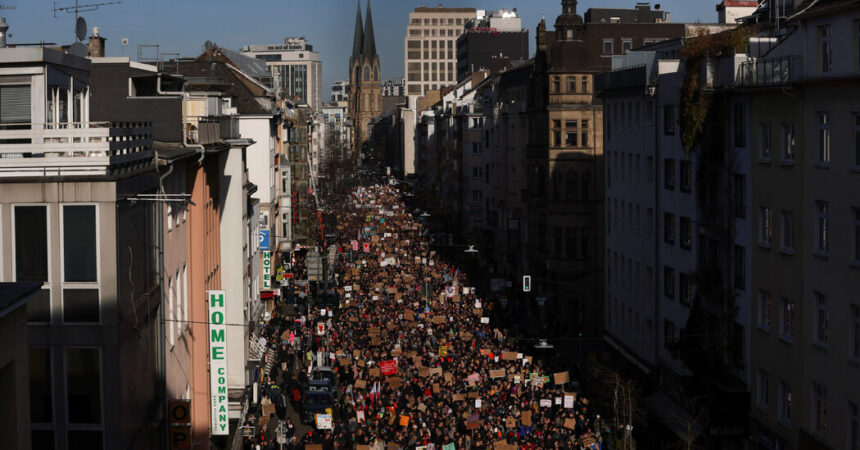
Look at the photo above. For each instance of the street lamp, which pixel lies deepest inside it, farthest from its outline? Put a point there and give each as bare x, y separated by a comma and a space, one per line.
471, 249
543, 345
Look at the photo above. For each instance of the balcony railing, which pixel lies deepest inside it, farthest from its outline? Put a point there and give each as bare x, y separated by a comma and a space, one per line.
68, 149
211, 130
769, 72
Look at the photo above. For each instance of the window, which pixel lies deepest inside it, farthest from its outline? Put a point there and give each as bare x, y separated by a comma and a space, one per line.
784, 402
570, 138
686, 286
83, 385
686, 175
80, 305
787, 143
476, 172
477, 196
823, 227
41, 403
853, 427
669, 228
79, 243
857, 140
766, 226
822, 318
764, 141
570, 241
669, 337
650, 169
607, 47
686, 240
556, 133
740, 259
764, 304
31, 243
786, 319
825, 49
762, 396
669, 282
739, 194
476, 148
824, 139
584, 133
854, 333
669, 120
787, 231
584, 85
556, 84
571, 85
669, 173
820, 396
740, 125
15, 104
626, 45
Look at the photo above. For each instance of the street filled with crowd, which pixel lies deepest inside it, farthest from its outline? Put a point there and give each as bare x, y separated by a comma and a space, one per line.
411, 356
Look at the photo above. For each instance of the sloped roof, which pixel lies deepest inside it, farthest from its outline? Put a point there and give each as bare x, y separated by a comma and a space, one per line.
251, 66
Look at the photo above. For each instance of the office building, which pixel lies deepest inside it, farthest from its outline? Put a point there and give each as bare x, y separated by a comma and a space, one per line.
429, 47
491, 41
296, 69
340, 91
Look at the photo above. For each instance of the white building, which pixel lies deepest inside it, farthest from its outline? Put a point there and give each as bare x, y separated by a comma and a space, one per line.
340, 91
395, 87
296, 69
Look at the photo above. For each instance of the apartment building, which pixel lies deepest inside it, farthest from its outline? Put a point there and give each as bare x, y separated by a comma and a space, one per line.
430, 47
340, 91
805, 153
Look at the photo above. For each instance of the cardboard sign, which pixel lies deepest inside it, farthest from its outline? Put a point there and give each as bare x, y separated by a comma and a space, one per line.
374, 372
561, 377
343, 361
440, 319
404, 421
509, 356
268, 409
473, 425
458, 397
423, 372
436, 371
510, 422
500, 373
360, 384
356, 354
395, 382
526, 418
323, 421
570, 424
435, 390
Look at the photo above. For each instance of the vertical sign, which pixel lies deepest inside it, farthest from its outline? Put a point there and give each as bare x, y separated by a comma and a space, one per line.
267, 269
218, 362
264, 240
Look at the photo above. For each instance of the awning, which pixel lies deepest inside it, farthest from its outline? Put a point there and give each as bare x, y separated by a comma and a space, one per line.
627, 355
674, 416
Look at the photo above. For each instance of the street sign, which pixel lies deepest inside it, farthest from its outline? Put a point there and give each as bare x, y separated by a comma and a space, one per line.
527, 283
179, 411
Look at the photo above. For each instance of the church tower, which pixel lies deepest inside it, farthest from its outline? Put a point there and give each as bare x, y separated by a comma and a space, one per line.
365, 89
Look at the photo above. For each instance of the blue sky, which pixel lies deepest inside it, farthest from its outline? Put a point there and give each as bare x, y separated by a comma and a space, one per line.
182, 26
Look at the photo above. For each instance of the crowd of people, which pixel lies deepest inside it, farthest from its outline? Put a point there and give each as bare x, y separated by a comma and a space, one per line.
419, 361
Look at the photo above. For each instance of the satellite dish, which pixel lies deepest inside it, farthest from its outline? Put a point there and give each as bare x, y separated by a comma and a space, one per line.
81, 29
78, 49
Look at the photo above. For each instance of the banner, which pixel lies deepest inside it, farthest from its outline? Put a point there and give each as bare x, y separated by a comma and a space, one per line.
388, 367
267, 269
218, 362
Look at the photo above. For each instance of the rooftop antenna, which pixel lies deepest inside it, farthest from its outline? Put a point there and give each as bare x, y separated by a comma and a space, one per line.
80, 8
6, 7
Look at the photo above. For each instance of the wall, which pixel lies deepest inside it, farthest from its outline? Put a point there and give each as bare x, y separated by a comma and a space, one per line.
14, 380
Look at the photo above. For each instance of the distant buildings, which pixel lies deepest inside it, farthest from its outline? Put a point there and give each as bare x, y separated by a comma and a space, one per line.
429, 47
491, 41
296, 69
340, 91
395, 87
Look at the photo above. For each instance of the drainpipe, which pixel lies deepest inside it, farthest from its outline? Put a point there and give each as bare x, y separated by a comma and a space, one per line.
186, 96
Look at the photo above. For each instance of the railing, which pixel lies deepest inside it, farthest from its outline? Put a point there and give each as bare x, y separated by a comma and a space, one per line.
71, 148
211, 130
778, 71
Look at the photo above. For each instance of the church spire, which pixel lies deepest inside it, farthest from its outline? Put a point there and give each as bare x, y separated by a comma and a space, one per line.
358, 40
369, 48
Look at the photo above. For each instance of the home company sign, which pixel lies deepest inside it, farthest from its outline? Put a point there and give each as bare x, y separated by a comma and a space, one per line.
218, 362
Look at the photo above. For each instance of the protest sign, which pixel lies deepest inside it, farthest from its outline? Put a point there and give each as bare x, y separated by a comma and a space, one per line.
388, 368
561, 377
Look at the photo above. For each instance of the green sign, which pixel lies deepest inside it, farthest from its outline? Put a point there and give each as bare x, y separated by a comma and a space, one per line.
218, 362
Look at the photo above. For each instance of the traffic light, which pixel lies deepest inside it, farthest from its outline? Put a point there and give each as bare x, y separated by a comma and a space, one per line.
527, 283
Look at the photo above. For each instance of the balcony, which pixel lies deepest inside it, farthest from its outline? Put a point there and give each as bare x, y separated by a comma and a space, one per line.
770, 72
214, 129
72, 148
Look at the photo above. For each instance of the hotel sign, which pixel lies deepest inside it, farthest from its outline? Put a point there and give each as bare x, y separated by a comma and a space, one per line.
218, 362
267, 269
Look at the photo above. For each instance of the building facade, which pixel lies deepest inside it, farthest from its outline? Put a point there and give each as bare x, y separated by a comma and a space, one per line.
340, 91
430, 47
491, 41
395, 87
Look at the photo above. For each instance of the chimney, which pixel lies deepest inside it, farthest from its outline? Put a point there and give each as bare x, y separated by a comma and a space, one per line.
97, 44
3, 29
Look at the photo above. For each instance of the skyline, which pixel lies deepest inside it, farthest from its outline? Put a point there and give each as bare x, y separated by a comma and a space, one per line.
167, 24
